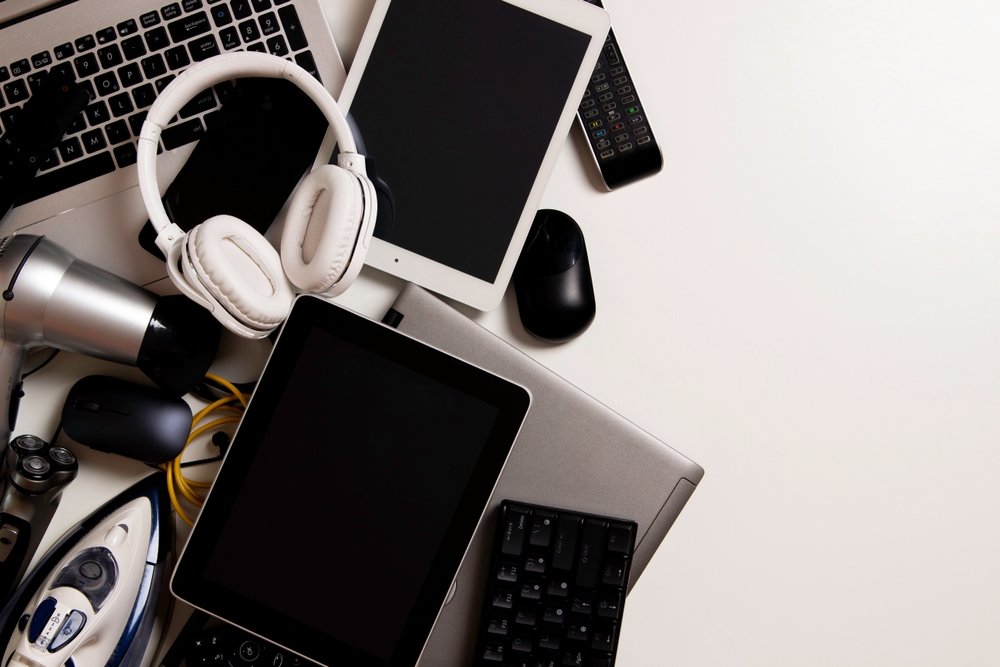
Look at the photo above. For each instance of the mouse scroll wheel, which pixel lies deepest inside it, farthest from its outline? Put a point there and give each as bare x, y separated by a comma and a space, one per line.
87, 406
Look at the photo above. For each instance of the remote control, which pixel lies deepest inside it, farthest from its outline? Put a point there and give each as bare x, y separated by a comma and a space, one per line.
42, 122
228, 646
556, 590
615, 121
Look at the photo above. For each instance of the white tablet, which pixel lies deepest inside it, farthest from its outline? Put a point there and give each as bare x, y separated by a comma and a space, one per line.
463, 105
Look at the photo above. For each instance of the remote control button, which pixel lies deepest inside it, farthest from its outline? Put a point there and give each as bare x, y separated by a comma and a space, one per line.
624, 89
625, 147
606, 154
590, 114
640, 130
643, 140
601, 145
249, 651
617, 70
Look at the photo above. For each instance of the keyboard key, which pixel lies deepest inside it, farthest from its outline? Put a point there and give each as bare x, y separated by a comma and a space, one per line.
9, 117
125, 155
614, 573
20, 68
79, 124
241, 8
15, 91
258, 47
149, 19
548, 640
4, 74
133, 48
182, 133
514, 530
558, 588
117, 132
582, 605
221, 15
72, 174
203, 48
503, 599
276, 45
64, 70
230, 38
135, 122
120, 105
177, 57
35, 80
526, 617
554, 615
129, 75
163, 83
86, 65
590, 553
305, 61
493, 653
619, 538
535, 564
189, 26
268, 23
249, 32
191, 5
144, 96
97, 113
64, 51
531, 591
85, 43
156, 39
609, 604
171, 11
153, 66
106, 83
126, 28
521, 644
203, 101
70, 149
565, 546
40, 60
94, 141
497, 626
106, 35
541, 528
604, 639
261, 5
293, 28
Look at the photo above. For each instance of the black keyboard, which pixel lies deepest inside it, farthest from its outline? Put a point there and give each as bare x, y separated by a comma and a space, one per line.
124, 68
557, 588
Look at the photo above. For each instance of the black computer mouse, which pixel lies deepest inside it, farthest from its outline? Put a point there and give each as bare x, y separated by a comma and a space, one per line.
552, 283
112, 415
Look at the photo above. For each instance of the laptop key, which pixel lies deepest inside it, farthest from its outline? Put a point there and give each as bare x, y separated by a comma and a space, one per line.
268, 23
106, 35
182, 133
94, 141
15, 91
86, 65
276, 45
65, 70
85, 43
230, 38
144, 95
171, 11
261, 5
4, 74
35, 79
117, 132
156, 39
63, 51
70, 149
241, 8
40, 60
203, 48
20, 68
153, 66
126, 28
133, 48
120, 105
189, 26
249, 31
135, 122
149, 19
293, 28
106, 83
97, 113
306, 61
177, 57
125, 155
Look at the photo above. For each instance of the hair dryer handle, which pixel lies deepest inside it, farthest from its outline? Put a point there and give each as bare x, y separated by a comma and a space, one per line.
11, 365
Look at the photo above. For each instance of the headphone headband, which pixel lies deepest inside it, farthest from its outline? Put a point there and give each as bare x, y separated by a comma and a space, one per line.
209, 73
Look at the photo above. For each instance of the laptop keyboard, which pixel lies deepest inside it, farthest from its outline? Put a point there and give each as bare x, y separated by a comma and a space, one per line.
124, 68
557, 588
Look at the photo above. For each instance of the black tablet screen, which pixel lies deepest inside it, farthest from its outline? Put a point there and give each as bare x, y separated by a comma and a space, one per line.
349, 496
458, 104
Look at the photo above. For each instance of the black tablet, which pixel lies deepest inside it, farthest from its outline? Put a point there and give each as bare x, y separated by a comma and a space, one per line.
350, 491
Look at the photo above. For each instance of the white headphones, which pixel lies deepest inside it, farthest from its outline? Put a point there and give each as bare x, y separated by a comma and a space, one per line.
227, 266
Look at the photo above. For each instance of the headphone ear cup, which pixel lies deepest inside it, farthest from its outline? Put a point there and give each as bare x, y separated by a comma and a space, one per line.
321, 228
238, 266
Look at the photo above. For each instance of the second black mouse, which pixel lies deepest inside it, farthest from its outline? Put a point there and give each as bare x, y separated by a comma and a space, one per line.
112, 415
552, 283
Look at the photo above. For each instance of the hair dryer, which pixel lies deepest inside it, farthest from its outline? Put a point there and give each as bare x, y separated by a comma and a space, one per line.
52, 299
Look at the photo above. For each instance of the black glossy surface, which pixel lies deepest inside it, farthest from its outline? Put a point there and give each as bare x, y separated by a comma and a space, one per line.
180, 344
552, 282
120, 417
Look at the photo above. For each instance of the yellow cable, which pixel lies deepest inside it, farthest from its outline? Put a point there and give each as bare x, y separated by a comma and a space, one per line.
176, 481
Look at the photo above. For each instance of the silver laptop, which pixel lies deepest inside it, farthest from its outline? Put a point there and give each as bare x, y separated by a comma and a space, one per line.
572, 453
85, 196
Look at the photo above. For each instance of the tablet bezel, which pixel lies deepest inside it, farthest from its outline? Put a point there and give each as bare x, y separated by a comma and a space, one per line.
581, 16
189, 582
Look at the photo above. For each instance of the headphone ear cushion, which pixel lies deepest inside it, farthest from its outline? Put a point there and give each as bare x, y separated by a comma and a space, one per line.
316, 248
242, 270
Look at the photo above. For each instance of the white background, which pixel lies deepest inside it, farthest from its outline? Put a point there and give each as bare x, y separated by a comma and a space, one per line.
806, 302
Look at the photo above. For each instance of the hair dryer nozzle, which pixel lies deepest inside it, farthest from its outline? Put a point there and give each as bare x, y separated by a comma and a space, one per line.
180, 344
